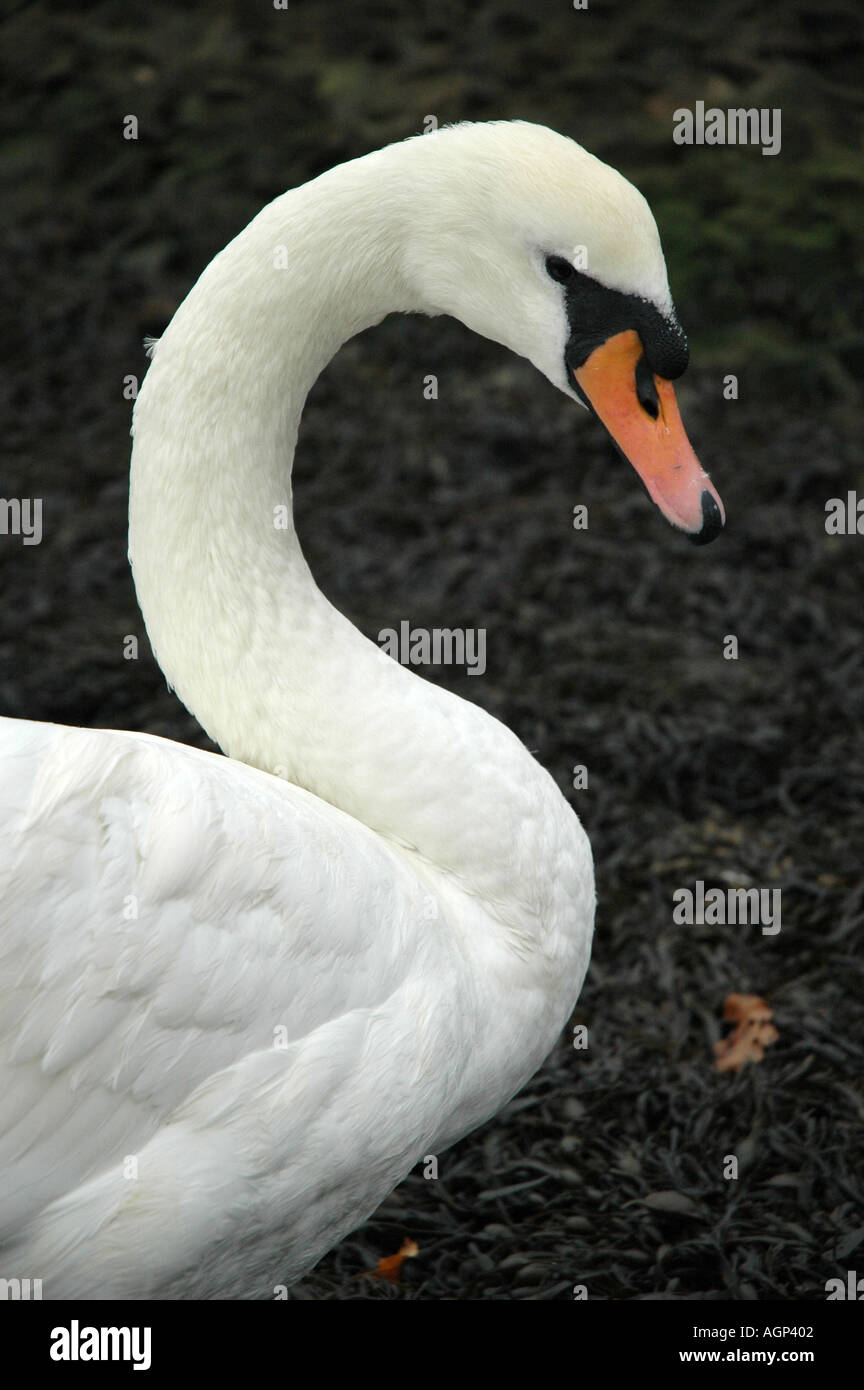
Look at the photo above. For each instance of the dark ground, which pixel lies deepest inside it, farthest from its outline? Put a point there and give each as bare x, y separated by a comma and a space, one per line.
605, 647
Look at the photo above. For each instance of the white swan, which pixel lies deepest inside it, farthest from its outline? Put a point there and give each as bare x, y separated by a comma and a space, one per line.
236, 1008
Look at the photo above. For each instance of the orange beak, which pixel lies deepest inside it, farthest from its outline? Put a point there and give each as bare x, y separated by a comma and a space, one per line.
658, 448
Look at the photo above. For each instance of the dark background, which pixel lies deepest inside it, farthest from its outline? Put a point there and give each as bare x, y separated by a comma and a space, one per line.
604, 647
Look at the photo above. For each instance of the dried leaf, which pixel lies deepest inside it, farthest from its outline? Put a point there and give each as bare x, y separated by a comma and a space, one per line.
753, 1032
390, 1267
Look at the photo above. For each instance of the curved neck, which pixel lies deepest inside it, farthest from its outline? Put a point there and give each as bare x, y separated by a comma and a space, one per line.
276, 675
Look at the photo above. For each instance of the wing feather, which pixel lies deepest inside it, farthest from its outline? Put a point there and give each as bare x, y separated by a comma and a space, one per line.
163, 912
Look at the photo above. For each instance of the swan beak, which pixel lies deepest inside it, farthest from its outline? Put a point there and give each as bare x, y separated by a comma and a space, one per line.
641, 414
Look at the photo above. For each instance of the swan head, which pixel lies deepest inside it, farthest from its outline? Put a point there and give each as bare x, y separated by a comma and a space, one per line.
533, 242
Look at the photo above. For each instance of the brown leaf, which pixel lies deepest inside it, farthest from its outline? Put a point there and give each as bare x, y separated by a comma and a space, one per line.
753, 1032
390, 1267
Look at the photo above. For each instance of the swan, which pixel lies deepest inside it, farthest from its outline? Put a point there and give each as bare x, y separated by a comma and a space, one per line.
242, 996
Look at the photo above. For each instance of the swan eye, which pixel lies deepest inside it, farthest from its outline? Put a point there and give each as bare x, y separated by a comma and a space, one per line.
559, 269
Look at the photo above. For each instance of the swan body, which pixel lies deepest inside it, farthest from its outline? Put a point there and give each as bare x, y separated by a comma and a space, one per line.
241, 997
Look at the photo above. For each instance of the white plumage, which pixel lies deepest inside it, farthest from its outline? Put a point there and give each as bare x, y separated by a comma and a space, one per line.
237, 1007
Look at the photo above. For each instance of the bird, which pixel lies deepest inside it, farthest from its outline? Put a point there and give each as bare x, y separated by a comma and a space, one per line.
243, 993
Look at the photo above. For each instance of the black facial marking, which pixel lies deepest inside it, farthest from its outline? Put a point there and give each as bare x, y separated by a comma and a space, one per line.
559, 269
646, 391
596, 313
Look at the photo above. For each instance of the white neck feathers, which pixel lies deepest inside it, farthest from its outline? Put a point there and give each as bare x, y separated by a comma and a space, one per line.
278, 677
